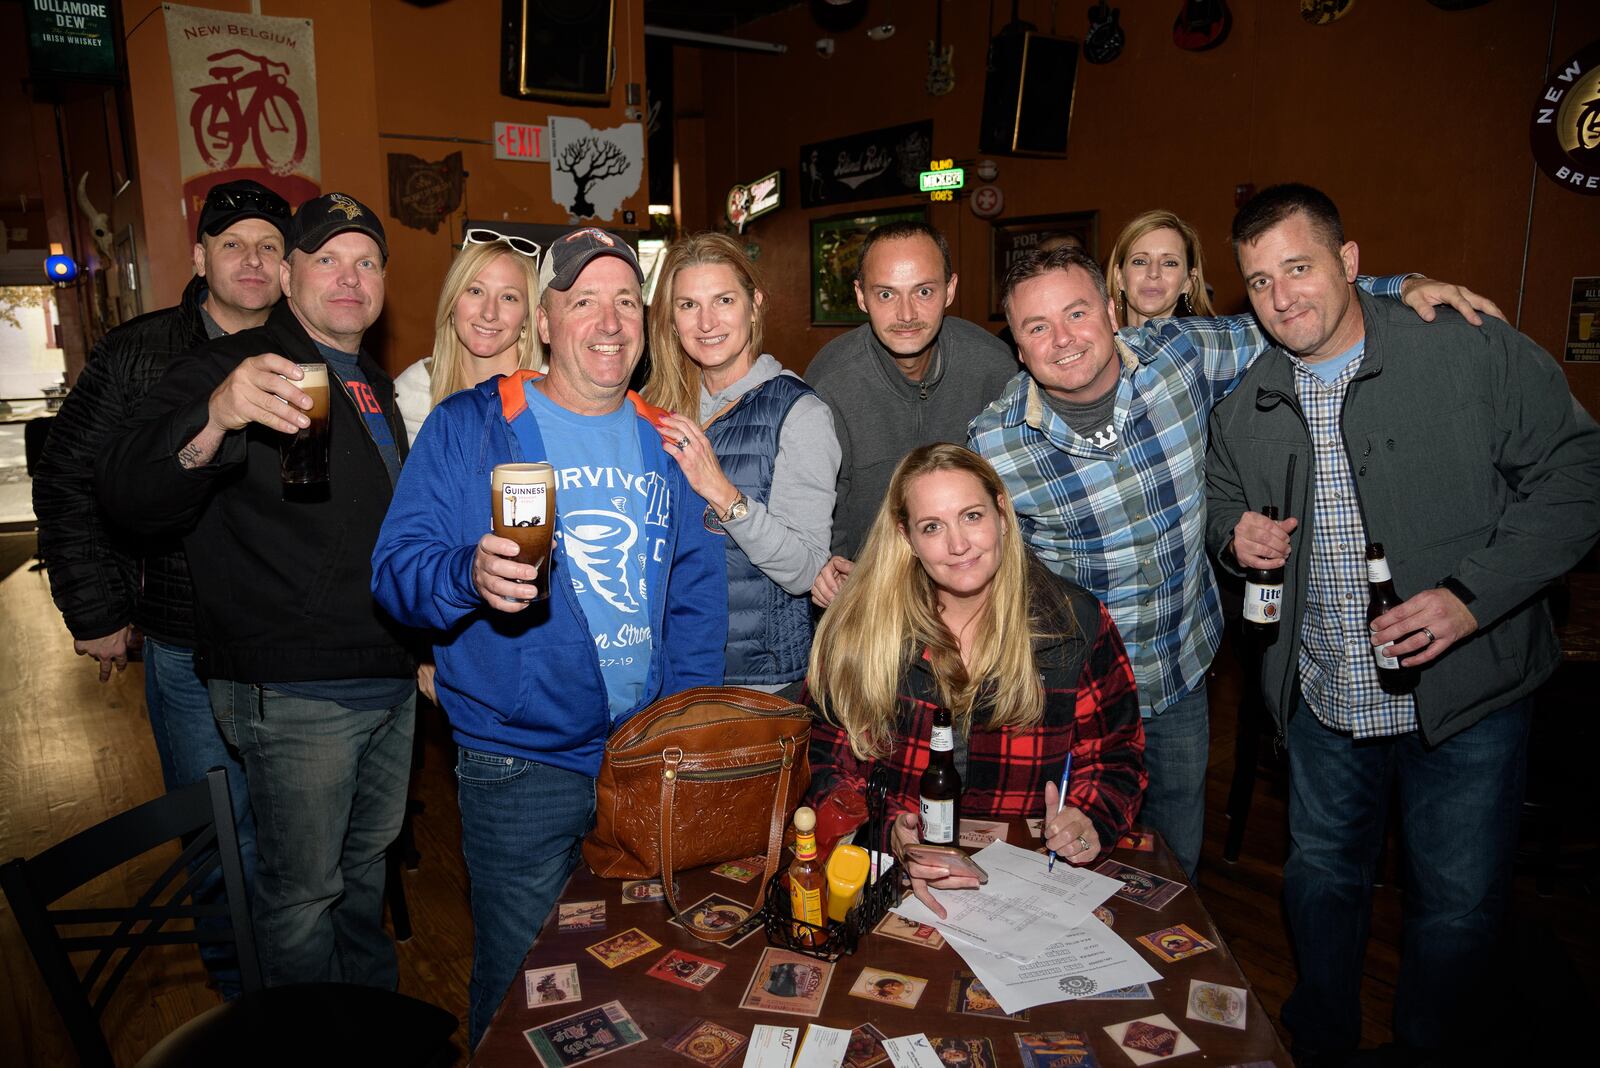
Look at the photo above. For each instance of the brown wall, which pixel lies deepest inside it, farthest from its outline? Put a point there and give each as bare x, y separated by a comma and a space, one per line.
1414, 119
383, 67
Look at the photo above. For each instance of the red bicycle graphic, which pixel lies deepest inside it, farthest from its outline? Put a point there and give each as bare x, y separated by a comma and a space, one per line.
255, 106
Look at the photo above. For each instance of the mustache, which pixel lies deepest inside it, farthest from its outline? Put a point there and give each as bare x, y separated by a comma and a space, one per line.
917, 324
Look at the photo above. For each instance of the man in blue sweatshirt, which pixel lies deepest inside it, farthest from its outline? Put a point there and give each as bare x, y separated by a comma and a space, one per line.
637, 607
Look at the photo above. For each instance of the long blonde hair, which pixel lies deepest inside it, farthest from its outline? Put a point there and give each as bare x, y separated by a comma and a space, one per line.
1159, 219
674, 379
448, 373
888, 613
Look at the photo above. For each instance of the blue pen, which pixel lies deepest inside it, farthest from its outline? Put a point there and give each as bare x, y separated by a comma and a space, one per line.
1061, 802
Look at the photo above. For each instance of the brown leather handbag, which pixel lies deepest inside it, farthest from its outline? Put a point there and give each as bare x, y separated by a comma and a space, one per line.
701, 777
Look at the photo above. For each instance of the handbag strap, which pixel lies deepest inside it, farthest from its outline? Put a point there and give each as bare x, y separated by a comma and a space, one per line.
669, 784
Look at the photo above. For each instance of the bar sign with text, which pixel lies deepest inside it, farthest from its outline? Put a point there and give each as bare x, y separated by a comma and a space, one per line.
519, 141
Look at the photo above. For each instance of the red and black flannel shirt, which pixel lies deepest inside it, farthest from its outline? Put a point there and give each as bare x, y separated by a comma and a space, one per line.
1090, 706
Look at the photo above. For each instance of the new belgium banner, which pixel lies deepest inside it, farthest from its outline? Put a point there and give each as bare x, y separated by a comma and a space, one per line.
246, 90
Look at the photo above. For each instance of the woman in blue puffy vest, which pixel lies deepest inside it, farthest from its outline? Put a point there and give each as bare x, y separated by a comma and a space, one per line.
755, 442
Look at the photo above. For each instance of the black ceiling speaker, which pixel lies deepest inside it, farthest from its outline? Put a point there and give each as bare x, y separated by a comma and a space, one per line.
558, 50
1027, 96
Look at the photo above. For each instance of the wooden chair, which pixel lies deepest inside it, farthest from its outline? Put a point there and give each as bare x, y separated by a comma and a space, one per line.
300, 1025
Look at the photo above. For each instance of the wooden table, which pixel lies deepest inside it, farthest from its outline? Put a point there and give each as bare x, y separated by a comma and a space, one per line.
662, 1010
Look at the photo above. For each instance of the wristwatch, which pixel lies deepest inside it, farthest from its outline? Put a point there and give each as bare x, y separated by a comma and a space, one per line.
738, 509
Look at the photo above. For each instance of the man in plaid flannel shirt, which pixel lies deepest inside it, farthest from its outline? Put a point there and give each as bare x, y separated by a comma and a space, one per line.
1101, 446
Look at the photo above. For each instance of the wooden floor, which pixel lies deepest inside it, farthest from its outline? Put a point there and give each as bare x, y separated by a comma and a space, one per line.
73, 752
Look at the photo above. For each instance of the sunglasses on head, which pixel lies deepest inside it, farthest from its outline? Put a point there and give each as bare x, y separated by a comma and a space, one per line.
248, 200
480, 236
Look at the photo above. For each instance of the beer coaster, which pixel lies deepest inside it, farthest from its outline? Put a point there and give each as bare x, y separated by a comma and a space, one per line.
1214, 1003
707, 1042
580, 915
967, 1052
968, 995
866, 1048
1172, 944
685, 969
715, 914
1055, 1049
552, 986
619, 949
788, 982
584, 1036
1153, 1038
888, 988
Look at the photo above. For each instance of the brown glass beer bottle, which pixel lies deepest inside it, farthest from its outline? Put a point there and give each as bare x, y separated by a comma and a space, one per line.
1381, 597
940, 788
1263, 598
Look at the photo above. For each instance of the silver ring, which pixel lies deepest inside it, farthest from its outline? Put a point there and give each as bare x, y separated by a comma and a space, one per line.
682, 443
1083, 844
1429, 633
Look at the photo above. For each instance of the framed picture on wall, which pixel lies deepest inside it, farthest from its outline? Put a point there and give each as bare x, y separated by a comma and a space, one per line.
1013, 238
835, 247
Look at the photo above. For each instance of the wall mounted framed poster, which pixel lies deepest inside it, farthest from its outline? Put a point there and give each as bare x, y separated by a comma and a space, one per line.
835, 249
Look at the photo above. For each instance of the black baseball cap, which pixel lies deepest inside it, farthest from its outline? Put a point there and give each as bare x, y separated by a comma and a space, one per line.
320, 218
567, 256
229, 202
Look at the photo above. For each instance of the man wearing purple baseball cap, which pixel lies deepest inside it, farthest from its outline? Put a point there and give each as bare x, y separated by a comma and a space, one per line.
637, 604
309, 681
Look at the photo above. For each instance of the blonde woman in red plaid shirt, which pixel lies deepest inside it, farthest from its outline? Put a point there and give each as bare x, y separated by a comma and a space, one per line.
946, 608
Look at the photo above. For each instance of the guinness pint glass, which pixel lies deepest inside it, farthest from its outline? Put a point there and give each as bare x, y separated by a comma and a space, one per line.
524, 503
305, 453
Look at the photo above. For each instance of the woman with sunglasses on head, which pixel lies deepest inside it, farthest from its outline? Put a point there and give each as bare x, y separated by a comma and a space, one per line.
947, 610
484, 325
754, 441
1157, 270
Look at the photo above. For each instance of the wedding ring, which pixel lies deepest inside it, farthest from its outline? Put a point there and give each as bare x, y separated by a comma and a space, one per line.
682, 443
1429, 633
1083, 844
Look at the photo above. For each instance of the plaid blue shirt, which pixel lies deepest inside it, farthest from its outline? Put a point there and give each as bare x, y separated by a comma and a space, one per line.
1127, 522
1338, 677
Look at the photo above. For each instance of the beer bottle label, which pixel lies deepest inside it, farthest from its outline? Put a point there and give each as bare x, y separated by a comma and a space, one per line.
1380, 653
943, 740
1262, 601
938, 822
1378, 570
524, 504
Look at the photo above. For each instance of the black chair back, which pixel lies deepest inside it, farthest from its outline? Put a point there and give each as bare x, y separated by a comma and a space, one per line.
200, 816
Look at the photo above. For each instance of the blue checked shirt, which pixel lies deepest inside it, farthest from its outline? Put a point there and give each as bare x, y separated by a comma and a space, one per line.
1338, 677
1127, 521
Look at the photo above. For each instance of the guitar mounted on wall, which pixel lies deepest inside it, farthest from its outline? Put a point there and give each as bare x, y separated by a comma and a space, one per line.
1105, 38
941, 57
1322, 12
1202, 25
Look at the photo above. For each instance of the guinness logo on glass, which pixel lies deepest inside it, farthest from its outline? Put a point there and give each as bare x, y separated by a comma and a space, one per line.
1566, 123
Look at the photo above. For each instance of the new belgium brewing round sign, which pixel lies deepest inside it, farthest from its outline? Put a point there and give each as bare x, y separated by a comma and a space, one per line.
1566, 123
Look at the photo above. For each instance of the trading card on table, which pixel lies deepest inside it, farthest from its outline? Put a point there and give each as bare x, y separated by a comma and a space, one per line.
1172, 944
1055, 1049
1139, 886
552, 986
580, 915
1218, 1004
741, 871
1153, 1038
888, 988
963, 1052
685, 969
619, 949
644, 891
787, 982
1138, 841
894, 925
975, 834
1136, 992
866, 1048
707, 1043
717, 913
585, 1035
968, 995
1036, 826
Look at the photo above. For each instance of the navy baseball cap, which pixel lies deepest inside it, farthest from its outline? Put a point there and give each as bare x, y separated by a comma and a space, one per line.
321, 218
568, 255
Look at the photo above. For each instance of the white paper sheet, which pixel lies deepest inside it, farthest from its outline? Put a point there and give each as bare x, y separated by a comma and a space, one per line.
1089, 959
771, 1046
823, 1047
911, 1051
1021, 909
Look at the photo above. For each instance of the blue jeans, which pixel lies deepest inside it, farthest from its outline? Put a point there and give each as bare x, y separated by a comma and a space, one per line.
1459, 808
1177, 743
521, 826
189, 745
328, 786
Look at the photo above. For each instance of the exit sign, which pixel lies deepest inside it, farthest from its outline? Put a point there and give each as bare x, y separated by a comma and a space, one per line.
519, 141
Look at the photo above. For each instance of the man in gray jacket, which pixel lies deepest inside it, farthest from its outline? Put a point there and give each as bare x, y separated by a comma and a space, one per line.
909, 376
1461, 450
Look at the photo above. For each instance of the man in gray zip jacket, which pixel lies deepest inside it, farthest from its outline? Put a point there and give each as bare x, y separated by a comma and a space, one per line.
1463, 452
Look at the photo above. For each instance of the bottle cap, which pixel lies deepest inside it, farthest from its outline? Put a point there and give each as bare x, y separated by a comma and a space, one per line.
805, 820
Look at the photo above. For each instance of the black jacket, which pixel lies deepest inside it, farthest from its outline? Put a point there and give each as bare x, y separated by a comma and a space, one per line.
282, 590
100, 579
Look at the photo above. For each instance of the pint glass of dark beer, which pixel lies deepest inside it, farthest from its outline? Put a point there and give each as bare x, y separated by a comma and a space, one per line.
524, 504
305, 453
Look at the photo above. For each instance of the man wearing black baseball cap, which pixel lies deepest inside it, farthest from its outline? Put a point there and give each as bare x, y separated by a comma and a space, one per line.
110, 592
308, 680
637, 587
